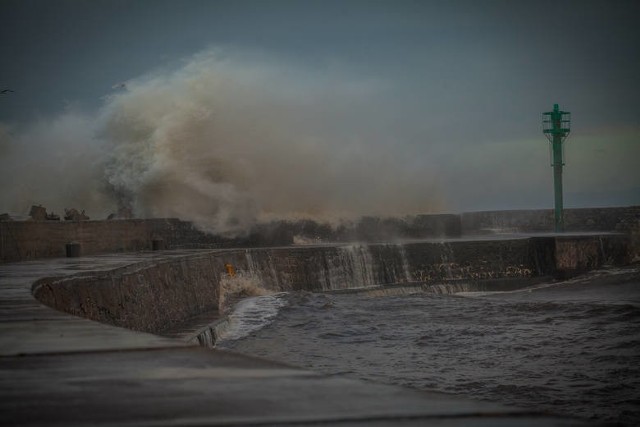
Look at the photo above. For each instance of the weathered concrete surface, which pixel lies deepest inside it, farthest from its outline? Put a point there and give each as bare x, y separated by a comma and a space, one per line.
577, 254
56, 369
29, 327
542, 220
25, 240
201, 387
150, 296
183, 285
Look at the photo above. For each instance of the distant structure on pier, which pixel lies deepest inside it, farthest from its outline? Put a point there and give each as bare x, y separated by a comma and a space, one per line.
556, 126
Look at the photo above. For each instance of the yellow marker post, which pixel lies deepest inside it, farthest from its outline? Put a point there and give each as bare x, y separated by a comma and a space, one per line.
230, 269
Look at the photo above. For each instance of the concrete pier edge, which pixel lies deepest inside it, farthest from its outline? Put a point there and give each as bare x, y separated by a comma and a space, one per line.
63, 369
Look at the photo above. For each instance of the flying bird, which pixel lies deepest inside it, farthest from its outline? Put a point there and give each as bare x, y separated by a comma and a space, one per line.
122, 85
3, 91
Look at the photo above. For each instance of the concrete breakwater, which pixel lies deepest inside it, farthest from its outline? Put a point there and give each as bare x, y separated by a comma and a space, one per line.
541, 220
25, 240
156, 296
60, 369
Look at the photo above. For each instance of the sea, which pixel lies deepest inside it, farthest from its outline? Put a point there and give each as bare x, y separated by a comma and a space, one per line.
570, 347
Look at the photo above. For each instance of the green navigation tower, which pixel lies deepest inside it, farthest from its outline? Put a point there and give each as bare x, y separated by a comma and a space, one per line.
556, 126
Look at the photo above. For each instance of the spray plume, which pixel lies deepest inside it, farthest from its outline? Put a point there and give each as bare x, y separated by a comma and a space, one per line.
222, 142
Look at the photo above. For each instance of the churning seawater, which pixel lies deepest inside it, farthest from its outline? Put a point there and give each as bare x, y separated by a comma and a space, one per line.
571, 348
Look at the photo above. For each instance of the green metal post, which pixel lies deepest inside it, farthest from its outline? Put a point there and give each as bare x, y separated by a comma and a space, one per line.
557, 183
557, 132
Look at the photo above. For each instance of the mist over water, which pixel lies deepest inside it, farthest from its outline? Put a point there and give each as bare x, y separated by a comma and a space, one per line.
223, 142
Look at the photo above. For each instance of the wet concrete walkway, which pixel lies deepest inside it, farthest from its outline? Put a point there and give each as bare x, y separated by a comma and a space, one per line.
57, 369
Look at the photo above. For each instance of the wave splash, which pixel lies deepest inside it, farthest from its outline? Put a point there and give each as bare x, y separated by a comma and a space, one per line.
224, 142
252, 314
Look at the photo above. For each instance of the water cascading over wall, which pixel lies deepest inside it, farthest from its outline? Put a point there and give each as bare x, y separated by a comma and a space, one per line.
329, 267
361, 266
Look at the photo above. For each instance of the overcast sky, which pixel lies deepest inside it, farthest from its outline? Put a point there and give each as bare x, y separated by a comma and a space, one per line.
462, 83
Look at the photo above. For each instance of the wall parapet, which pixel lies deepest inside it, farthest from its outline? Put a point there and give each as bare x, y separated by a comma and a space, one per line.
25, 240
155, 296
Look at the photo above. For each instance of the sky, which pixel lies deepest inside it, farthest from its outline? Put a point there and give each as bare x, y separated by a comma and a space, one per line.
228, 112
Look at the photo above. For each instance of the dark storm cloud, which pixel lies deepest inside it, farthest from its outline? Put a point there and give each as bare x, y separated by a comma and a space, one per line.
459, 85
472, 53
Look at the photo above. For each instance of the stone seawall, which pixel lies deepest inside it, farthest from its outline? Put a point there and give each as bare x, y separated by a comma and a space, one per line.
148, 297
542, 220
157, 296
25, 240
